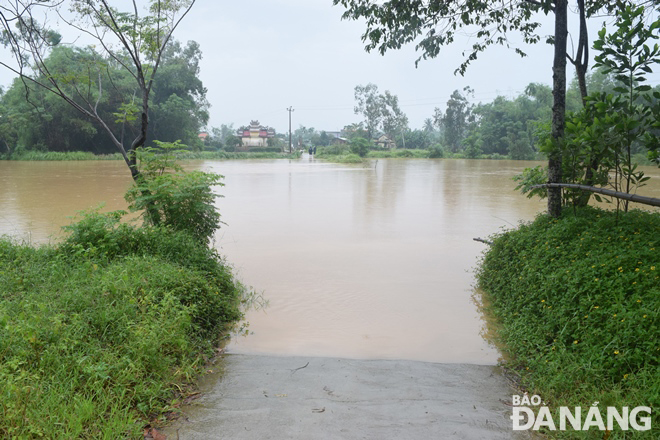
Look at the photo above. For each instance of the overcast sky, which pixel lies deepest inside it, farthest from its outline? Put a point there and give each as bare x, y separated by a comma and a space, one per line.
262, 56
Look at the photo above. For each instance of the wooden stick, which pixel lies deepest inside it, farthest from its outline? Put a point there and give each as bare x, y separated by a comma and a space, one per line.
608, 192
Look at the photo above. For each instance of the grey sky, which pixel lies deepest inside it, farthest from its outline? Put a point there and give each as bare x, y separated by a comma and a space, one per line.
261, 56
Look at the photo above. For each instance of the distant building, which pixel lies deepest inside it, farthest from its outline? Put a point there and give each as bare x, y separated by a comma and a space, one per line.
203, 136
384, 142
255, 135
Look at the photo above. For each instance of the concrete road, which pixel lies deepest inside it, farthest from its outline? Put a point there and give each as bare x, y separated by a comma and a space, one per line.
266, 397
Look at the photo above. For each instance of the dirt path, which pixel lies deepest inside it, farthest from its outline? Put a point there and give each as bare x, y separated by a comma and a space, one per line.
266, 397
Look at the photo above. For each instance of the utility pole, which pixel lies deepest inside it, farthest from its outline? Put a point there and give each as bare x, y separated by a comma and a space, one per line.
290, 109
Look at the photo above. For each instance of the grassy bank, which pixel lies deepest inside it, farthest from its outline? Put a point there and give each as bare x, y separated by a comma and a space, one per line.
99, 333
83, 155
577, 301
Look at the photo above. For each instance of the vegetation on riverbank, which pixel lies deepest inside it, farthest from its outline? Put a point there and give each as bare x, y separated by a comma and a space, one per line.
356, 153
187, 155
577, 300
101, 333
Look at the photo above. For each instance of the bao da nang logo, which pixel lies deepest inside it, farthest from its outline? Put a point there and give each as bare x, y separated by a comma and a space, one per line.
525, 417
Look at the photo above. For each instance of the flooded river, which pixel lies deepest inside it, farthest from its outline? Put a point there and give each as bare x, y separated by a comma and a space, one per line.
362, 262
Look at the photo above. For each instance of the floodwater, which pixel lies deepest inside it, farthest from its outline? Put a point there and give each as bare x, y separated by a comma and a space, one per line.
371, 262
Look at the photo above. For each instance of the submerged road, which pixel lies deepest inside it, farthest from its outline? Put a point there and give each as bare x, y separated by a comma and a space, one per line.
268, 397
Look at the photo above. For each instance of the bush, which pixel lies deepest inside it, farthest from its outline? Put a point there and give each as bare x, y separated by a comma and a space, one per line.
578, 301
100, 333
170, 197
360, 146
436, 152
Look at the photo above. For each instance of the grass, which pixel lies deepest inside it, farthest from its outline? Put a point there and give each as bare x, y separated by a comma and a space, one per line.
100, 333
192, 155
577, 301
60, 156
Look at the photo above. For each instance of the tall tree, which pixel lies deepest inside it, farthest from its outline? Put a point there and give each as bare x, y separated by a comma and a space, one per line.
455, 120
381, 112
368, 103
135, 40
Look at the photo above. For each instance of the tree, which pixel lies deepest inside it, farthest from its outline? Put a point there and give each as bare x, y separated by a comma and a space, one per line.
179, 108
381, 111
369, 105
456, 119
433, 24
395, 122
45, 121
132, 41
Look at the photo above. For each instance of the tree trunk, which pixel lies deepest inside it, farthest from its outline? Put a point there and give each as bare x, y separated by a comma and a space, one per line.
559, 106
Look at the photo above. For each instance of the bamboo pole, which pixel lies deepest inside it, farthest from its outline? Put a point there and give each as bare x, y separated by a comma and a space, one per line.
608, 192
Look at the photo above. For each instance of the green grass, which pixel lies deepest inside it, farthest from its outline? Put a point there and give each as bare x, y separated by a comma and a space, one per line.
341, 158
100, 333
59, 156
398, 153
192, 155
577, 301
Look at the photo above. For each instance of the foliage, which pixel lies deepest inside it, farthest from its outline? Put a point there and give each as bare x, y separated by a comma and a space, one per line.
432, 25
603, 137
170, 197
455, 121
530, 177
625, 53
578, 302
436, 152
42, 120
99, 334
133, 45
381, 112
360, 146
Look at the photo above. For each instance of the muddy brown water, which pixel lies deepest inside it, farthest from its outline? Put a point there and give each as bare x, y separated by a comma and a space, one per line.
362, 262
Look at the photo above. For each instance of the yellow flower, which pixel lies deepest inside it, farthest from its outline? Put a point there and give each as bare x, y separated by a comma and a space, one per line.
595, 307
620, 269
652, 267
644, 316
614, 316
575, 342
616, 351
625, 376
623, 319
637, 269
542, 300
639, 300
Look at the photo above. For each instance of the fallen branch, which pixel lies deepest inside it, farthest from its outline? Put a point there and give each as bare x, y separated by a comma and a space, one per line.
608, 192
489, 243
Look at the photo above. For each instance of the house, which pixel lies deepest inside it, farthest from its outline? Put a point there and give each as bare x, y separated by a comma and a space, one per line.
203, 136
255, 135
384, 142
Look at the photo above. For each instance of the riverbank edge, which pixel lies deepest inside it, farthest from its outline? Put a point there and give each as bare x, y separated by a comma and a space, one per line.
576, 302
55, 156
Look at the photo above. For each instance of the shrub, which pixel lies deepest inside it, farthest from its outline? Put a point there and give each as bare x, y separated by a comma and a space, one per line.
578, 300
360, 146
436, 152
100, 332
170, 197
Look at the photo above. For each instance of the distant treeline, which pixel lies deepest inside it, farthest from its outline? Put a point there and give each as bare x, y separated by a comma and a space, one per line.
32, 119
